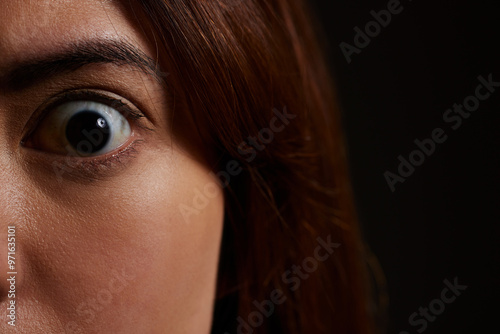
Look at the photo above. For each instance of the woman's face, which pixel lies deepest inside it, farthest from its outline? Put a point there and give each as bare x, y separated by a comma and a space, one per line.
112, 234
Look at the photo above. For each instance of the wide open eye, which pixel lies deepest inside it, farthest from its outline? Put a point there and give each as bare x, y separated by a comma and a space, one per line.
81, 128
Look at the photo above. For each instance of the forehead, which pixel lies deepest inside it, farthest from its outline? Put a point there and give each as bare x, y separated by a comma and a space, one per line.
30, 28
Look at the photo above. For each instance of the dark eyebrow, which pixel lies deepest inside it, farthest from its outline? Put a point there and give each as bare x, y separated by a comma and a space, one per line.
77, 55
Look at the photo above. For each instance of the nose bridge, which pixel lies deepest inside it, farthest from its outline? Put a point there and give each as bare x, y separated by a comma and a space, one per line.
11, 208
6, 179
9, 184
8, 238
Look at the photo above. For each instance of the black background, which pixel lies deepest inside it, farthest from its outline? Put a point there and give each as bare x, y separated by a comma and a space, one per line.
443, 221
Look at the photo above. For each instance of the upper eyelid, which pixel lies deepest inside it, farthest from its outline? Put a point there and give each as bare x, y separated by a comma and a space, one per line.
92, 95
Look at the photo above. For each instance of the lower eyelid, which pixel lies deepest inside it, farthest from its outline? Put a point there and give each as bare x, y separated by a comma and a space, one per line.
98, 164
88, 169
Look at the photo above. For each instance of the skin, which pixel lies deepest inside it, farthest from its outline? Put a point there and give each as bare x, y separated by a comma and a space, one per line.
101, 251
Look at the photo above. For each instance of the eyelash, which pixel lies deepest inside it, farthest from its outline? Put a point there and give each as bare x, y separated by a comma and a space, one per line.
91, 168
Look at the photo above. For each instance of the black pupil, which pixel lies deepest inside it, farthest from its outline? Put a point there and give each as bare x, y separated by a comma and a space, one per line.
88, 132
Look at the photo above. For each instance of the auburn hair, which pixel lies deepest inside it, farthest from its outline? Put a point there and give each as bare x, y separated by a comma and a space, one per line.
232, 64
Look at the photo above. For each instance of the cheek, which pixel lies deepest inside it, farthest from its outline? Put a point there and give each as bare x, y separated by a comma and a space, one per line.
127, 252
